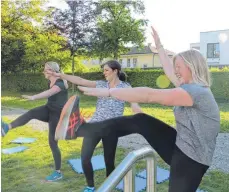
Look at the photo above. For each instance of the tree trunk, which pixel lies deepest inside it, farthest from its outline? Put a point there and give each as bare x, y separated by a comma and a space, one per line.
73, 70
116, 50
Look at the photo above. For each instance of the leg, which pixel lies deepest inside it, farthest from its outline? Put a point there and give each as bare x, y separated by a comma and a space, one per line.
40, 113
160, 136
109, 146
53, 121
88, 148
186, 174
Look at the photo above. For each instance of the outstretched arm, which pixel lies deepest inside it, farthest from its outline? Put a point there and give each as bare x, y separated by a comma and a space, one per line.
74, 79
169, 97
45, 94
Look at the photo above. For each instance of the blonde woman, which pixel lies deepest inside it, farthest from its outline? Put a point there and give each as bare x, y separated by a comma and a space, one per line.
189, 148
57, 95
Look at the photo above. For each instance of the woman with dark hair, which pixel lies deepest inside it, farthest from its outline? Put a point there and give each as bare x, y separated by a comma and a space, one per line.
106, 108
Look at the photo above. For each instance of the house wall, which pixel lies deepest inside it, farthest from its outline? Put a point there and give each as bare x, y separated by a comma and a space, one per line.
221, 37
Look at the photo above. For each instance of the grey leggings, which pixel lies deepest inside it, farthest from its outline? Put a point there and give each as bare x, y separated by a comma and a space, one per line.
45, 114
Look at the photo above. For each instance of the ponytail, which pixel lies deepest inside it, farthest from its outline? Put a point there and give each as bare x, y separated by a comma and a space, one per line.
122, 76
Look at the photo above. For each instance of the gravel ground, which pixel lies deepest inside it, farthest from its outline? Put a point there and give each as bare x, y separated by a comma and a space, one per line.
135, 141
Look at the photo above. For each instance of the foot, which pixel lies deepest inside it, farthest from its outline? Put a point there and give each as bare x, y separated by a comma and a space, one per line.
89, 189
5, 128
70, 120
55, 176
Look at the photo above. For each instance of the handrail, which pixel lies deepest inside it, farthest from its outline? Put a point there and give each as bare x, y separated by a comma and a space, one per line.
125, 170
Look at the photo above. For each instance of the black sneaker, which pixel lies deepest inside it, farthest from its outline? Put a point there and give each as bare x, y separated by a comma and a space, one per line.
70, 120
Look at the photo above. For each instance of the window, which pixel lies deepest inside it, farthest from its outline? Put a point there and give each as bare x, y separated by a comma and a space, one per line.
128, 62
145, 66
213, 50
120, 61
135, 60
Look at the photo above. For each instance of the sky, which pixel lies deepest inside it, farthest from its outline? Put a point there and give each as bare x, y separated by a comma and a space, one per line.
179, 22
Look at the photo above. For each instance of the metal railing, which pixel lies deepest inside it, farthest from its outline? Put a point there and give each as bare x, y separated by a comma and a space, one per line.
126, 170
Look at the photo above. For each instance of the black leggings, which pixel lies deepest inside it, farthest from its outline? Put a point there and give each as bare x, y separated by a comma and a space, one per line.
45, 114
185, 174
89, 144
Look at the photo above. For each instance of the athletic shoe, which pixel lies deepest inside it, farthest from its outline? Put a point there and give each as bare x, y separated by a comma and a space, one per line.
55, 176
5, 128
89, 189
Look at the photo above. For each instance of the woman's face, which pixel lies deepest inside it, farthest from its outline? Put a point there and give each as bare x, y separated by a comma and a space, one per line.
47, 69
182, 71
109, 73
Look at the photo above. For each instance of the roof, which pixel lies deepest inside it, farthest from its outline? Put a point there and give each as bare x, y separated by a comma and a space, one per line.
214, 31
146, 50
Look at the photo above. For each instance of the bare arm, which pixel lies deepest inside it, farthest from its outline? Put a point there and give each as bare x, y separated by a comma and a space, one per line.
74, 79
45, 94
169, 97
136, 108
166, 62
78, 80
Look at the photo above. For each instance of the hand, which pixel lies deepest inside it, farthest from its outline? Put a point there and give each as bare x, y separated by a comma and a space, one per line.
53, 73
28, 97
98, 92
156, 38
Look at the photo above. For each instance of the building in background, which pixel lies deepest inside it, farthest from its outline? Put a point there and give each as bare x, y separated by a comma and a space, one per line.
146, 57
214, 45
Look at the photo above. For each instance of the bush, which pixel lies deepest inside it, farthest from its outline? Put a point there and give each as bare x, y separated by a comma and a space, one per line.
137, 77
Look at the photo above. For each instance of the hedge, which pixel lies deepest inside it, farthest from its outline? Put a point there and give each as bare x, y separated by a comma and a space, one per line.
37, 82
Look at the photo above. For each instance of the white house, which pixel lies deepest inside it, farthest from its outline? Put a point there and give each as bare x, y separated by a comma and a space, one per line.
214, 45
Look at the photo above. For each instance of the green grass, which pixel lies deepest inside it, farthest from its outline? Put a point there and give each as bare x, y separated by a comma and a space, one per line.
88, 105
26, 171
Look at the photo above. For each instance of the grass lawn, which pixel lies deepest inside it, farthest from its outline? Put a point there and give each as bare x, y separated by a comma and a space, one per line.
25, 171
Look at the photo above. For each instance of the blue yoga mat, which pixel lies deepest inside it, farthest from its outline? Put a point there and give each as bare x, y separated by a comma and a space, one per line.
14, 150
97, 163
23, 140
162, 174
140, 184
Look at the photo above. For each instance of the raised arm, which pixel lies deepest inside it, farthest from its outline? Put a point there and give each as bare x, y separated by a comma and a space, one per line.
75, 79
166, 62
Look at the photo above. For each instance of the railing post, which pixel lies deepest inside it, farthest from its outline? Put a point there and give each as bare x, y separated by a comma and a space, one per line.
129, 180
151, 174
126, 170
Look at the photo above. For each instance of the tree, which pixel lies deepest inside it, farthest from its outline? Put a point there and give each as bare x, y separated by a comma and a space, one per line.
17, 21
117, 27
76, 24
45, 46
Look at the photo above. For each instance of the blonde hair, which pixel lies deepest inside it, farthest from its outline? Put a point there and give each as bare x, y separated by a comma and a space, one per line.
55, 67
198, 66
